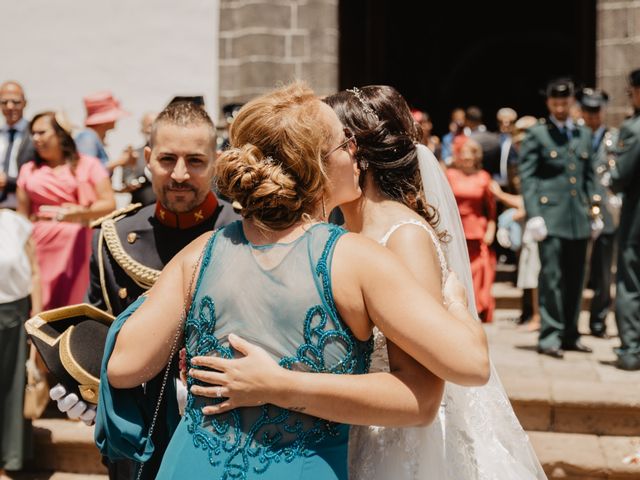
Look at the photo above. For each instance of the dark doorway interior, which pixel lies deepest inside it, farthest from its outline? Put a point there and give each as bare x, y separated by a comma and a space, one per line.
442, 55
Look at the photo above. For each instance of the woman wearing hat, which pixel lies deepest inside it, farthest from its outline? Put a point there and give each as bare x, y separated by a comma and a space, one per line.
103, 111
61, 191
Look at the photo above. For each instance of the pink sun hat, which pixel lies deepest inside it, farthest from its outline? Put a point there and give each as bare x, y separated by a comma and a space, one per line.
102, 108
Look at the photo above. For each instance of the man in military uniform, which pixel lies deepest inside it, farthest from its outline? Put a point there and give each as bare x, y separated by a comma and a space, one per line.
592, 103
625, 178
132, 245
557, 186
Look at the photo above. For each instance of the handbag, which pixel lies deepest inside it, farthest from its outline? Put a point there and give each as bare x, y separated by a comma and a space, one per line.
36, 391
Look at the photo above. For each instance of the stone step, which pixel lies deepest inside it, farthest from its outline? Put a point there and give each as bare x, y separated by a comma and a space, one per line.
571, 456
574, 406
62, 445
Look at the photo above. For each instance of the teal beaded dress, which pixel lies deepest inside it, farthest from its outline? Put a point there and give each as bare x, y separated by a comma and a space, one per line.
277, 296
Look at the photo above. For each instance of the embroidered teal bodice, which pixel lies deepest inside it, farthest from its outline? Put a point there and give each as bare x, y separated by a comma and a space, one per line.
279, 297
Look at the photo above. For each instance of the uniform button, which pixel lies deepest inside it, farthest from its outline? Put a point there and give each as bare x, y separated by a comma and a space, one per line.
131, 237
553, 154
612, 163
573, 180
574, 193
122, 293
544, 199
584, 155
601, 169
597, 198
572, 166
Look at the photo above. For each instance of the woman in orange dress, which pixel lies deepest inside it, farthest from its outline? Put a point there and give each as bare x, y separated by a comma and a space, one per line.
61, 191
470, 185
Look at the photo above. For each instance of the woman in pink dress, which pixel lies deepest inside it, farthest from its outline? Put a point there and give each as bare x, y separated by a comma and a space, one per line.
477, 205
61, 191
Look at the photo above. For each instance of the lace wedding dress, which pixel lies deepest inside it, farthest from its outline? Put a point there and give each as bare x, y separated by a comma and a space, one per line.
476, 435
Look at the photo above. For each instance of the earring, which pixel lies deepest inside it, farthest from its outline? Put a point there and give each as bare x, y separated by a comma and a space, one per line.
324, 210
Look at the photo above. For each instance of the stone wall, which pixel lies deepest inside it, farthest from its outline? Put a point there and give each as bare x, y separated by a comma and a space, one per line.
264, 43
618, 52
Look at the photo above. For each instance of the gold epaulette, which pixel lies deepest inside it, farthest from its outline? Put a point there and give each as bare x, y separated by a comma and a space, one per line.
144, 276
116, 213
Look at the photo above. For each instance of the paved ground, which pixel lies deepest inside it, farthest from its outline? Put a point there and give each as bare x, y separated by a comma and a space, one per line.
583, 414
513, 350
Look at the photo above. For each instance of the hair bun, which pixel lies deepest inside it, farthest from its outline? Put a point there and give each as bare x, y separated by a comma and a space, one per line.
258, 182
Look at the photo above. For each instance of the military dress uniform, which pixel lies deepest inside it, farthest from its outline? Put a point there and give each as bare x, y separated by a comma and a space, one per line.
557, 184
625, 178
130, 248
600, 276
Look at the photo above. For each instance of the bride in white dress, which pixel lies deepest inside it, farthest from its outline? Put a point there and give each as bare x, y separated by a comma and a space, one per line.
407, 204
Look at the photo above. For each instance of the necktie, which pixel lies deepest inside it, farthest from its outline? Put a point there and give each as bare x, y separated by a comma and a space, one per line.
7, 155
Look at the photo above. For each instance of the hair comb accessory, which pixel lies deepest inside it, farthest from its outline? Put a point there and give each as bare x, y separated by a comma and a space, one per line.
365, 106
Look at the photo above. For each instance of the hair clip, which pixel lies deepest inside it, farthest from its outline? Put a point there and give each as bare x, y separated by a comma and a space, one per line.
365, 106
269, 160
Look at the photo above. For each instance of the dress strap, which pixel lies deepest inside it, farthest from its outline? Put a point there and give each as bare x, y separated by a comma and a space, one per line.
444, 265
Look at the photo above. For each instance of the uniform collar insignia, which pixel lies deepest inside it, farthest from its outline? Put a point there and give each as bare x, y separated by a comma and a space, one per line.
201, 213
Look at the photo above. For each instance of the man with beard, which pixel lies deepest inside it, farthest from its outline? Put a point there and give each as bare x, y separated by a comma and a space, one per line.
132, 245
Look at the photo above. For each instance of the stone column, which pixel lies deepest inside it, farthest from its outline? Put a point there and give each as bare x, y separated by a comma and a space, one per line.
265, 43
618, 52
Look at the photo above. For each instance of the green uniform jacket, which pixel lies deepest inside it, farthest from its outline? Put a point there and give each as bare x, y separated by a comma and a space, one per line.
606, 149
558, 179
625, 178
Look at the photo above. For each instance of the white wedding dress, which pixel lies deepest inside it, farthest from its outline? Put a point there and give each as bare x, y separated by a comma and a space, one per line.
476, 435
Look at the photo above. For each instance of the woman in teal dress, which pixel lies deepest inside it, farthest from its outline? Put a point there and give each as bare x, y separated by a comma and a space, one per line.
307, 292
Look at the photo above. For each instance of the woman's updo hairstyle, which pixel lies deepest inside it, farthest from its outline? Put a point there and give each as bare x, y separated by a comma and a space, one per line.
274, 165
387, 135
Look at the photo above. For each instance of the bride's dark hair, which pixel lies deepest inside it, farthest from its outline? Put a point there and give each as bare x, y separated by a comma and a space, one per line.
387, 135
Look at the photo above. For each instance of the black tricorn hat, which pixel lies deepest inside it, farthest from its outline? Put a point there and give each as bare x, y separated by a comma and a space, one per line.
559, 88
71, 342
592, 99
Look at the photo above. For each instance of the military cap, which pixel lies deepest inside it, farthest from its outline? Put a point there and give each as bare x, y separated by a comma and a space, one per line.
230, 110
559, 88
71, 342
634, 78
592, 99
197, 99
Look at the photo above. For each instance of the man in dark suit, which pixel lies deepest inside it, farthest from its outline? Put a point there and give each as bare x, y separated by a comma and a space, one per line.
556, 173
625, 178
16, 147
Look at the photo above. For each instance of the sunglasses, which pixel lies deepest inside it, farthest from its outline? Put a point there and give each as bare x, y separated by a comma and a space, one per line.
349, 144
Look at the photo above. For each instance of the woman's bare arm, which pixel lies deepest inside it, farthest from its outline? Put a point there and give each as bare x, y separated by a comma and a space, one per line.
144, 343
370, 283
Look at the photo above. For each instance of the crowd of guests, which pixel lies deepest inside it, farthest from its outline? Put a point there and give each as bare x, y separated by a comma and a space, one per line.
54, 182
